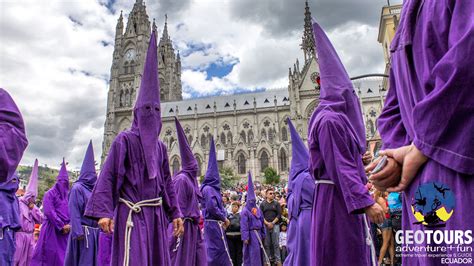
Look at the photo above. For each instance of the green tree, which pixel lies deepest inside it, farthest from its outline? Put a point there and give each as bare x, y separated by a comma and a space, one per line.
228, 178
270, 176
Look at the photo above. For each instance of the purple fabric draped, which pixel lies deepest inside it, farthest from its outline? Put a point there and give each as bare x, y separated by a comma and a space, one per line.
430, 104
9, 219
300, 201
189, 249
137, 169
251, 228
214, 214
51, 247
336, 142
104, 256
28, 217
13, 140
84, 236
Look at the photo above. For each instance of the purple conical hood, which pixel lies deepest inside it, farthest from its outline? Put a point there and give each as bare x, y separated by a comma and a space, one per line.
147, 112
188, 162
62, 181
251, 201
299, 153
212, 177
63, 175
32, 187
337, 92
88, 175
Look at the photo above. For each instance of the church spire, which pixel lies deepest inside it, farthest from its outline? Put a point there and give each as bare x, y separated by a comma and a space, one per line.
307, 44
154, 27
119, 27
165, 30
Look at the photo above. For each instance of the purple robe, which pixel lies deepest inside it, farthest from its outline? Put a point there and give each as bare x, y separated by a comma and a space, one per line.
252, 229
104, 256
51, 246
430, 104
189, 249
336, 141
13, 140
9, 219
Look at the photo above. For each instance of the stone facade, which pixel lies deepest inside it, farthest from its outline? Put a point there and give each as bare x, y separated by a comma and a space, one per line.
250, 130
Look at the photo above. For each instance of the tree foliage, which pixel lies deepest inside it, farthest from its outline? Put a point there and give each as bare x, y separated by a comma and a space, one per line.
271, 176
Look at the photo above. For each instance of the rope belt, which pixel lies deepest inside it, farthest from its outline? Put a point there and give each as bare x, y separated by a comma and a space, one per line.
262, 247
86, 235
135, 208
368, 237
178, 241
222, 237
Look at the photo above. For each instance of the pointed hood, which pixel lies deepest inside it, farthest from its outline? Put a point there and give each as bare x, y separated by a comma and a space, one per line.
299, 153
88, 175
32, 187
188, 162
337, 92
212, 177
62, 181
251, 200
11, 119
147, 113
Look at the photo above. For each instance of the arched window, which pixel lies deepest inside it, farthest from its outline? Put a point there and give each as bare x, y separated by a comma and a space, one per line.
199, 163
242, 135
241, 161
263, 161
127, 98
370, 128
121, 99
190, 139
250, 135
264, 134
175, 166
271, 135
171, 142
229, 138
223, 138
203, 141
284, 134
132, 67
125, 68
283, 161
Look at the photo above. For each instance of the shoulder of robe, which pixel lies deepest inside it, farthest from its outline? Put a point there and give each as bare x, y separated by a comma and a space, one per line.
332, 122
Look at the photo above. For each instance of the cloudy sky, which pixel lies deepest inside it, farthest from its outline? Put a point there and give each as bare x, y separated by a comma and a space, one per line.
55, 56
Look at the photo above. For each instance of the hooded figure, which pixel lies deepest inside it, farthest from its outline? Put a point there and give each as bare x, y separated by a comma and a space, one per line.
84, 237
51, 247
214, 214
188, 249
300, 201
13, 140
336, 143
252, 229
29, 216
135, 183
9, 219
430, 105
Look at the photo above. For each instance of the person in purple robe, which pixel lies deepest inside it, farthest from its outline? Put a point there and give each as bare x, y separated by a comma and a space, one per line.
9, 219
427, 123
84, 237
104, 256
13, 140
189, 249
30, 215
252, 229
215, 215
336, 140
300, 201
134, 196
51, 246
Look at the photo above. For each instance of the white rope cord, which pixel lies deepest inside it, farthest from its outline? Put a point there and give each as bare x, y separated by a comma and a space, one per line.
262, 247
222, 237
135, 207
324, 181
86, 235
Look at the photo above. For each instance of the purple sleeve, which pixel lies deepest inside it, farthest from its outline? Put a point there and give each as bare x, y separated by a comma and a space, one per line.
12, 146
76, 203
443, 119
50, 211
37, 215
104, 197
212, 208
244, 225
390, 125
342, 164
170, 203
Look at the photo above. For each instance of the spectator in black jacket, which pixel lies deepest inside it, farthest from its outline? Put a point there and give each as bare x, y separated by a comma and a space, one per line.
234, 240
271, 210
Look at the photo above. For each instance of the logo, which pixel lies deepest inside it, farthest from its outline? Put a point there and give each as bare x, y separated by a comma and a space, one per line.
433, 204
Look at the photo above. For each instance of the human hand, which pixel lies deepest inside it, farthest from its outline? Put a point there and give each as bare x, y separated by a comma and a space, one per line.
107, 225
80, 238
387, 177
178, 227
66, 229
367, 158
375, 213
246, 242
411, 160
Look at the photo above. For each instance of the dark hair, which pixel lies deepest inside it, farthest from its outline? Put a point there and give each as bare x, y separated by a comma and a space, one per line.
236, 203
269, 189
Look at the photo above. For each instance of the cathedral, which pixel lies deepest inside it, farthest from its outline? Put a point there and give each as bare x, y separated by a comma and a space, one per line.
250, 130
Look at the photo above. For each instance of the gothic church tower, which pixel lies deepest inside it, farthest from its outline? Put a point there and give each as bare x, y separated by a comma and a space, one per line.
129, 54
